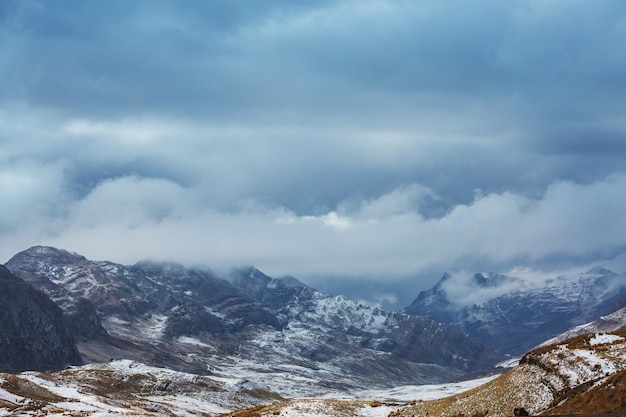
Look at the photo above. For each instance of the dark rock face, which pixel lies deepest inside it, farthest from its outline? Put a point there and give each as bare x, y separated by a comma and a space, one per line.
621, 303
83, 320
33, 332
188, 293
80, 313
519, 314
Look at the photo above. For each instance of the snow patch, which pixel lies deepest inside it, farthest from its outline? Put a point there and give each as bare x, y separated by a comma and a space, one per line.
193, 341
156, 327
603, 339
409, 393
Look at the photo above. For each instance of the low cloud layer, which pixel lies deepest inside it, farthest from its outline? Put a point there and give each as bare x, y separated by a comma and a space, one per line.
365, 147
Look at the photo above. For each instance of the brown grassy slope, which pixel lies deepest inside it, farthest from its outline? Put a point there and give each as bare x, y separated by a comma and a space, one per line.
497, 398
546, 377
607, 397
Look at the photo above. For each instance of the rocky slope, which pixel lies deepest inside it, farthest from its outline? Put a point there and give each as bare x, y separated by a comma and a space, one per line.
582, 375
417, 339
125, 388
274, 331
512, 315
547, 380
33, 332
611, 322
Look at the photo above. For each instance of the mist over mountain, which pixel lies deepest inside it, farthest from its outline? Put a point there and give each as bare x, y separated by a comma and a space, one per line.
511, 314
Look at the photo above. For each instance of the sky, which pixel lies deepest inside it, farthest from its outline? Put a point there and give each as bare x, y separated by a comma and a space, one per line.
365, 147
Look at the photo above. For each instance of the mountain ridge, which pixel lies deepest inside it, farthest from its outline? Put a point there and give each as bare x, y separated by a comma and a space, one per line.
195, 321
513, 315
362, 325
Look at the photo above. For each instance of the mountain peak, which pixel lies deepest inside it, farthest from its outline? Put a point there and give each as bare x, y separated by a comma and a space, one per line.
292, 281
60, 256
598, 270
492, 280
445, 277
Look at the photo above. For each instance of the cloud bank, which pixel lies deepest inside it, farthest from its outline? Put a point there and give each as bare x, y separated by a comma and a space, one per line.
361, 146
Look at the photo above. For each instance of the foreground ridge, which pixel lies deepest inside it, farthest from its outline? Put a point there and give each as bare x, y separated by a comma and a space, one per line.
582, 375
123, 388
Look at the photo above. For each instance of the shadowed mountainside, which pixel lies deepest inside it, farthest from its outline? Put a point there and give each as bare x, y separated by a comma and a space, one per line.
33, 332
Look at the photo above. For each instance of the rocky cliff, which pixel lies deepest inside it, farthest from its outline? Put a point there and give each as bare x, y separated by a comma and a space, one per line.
33, 332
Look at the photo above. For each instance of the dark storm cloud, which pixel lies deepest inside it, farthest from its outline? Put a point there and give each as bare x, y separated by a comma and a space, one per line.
384, 140
217, 58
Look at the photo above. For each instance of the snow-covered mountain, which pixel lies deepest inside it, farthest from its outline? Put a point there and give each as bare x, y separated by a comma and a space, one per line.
194, 321
418, 339
305, 354
513, 315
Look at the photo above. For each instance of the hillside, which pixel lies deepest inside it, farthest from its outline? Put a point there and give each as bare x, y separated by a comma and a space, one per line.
611, 322
585, 374
124, 388
582, 375
575, 376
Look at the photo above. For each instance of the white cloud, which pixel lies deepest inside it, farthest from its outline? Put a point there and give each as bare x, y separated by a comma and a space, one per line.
130, 218
30, 193
289, 137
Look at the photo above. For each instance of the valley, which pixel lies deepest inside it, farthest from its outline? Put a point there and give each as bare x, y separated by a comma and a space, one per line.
162, 339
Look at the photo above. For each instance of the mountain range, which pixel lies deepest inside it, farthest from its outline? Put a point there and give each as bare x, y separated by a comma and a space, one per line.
191, 320
162, 339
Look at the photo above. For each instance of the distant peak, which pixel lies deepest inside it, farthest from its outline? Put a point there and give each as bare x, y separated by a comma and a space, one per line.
445, 278
61, 255
49, 250
250, 272
292, 281
598, 270
491, 279
483, 279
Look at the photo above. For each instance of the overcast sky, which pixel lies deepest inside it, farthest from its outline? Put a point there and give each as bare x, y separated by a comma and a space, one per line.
362, 146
